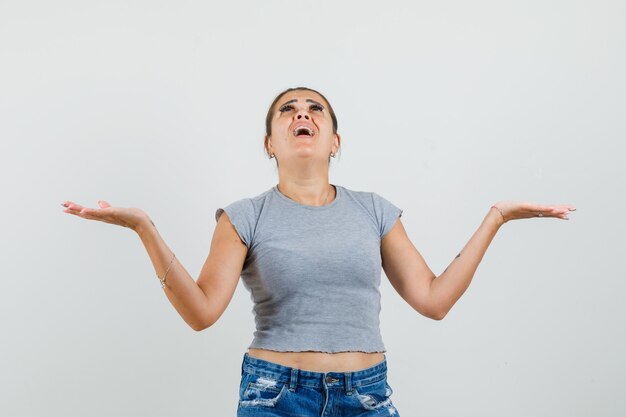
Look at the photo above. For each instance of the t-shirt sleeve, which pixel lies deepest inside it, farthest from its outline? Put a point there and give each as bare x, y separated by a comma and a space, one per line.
386, 214
241, 215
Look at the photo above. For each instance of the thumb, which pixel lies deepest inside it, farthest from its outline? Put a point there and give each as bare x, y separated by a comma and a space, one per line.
103, 204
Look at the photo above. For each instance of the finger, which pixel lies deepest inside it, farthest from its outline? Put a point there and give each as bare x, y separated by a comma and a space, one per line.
537, 208
562, 211
565, 207
72, 211
89, 213
78, 210
89, 210
103, 204
553, 210
73, 208
561, 214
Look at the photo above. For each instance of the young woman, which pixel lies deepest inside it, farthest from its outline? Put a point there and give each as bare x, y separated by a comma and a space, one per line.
311, 253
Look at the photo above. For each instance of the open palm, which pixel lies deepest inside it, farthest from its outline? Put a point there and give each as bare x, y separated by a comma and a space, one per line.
126, 217
514, 210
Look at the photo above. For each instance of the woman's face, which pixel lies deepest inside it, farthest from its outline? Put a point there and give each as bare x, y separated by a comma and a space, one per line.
302, 126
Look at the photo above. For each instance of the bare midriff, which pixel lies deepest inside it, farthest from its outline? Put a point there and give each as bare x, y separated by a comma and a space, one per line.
320, 361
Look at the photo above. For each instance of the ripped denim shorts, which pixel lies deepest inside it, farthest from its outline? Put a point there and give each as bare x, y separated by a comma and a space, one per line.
269, 389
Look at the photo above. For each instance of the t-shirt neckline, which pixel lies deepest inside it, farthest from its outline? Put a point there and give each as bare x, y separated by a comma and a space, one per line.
296, 204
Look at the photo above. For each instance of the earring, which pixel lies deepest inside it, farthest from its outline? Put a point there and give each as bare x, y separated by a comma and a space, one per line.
271, 156
332, 154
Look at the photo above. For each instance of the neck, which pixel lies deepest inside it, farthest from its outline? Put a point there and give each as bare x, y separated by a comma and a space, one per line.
310, 192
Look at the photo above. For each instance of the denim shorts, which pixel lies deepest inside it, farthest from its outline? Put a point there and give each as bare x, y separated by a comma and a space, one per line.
269, 389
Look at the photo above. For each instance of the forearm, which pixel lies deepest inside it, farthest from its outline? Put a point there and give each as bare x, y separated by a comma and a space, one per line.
180, 288
446, 289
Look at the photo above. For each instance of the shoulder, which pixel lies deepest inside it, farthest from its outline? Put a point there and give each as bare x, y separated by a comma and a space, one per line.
247, 206
371, 200
244, 214
363, 198
383, 211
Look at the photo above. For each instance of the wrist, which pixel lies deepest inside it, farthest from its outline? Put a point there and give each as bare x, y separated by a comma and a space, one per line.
498, 215
144, 226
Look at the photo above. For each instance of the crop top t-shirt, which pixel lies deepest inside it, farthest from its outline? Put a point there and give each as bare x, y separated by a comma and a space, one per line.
313, 272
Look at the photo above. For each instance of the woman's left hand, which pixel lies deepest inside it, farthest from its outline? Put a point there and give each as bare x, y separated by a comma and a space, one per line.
512, 210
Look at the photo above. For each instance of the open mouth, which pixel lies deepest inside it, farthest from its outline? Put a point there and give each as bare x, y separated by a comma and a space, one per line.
304, 132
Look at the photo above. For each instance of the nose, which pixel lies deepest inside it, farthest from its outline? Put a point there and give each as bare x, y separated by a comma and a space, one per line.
302, 115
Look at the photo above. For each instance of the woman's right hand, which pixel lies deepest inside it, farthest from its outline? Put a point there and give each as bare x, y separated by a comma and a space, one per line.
127, 217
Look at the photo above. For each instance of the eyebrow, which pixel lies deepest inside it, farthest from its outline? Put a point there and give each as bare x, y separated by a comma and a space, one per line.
308, 100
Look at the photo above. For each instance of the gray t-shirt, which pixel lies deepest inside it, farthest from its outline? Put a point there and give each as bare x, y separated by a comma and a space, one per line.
313, 273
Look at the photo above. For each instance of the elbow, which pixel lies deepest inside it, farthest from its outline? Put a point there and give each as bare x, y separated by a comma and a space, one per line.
198, 328
438, 315
435, 314
430, 311
201, 326
437, 309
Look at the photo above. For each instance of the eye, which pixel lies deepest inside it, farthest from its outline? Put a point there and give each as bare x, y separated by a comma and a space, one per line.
317, 107
285, 107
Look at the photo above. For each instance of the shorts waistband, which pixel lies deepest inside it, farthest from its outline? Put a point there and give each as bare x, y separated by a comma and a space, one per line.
313, 379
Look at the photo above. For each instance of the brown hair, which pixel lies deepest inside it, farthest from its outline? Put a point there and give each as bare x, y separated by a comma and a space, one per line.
270, 114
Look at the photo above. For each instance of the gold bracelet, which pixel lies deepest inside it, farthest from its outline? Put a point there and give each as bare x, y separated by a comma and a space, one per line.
168, 270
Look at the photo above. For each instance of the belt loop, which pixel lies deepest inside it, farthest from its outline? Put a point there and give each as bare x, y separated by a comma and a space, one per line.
293, 381
348, 380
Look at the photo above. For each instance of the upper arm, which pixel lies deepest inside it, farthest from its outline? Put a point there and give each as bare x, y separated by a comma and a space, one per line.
222, 269
407, 271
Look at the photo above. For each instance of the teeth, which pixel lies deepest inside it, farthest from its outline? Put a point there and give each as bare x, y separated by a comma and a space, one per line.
308, 130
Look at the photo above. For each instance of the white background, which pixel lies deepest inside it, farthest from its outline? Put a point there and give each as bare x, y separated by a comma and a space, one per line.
444, 109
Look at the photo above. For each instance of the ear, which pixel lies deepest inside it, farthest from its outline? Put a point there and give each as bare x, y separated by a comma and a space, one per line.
268, 144
337, 143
